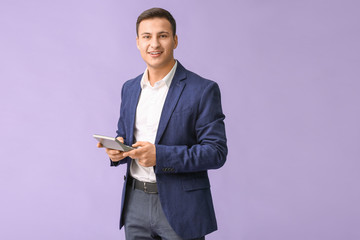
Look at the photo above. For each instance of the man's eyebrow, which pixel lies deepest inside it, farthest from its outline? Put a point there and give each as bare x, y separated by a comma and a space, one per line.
147, 33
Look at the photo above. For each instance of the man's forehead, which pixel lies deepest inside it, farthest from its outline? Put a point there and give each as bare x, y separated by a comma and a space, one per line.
155, 24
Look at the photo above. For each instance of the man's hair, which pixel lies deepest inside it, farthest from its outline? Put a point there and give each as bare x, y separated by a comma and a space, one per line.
156, 13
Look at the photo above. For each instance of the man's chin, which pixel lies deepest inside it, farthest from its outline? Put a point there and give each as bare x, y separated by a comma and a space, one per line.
159, 63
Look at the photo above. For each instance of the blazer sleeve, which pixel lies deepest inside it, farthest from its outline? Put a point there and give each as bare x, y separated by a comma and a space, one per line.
210, 150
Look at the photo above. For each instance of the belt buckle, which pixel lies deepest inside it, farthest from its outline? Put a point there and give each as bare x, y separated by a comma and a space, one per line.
145, 189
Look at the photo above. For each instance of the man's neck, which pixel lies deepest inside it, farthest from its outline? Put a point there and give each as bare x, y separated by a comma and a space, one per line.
156, 74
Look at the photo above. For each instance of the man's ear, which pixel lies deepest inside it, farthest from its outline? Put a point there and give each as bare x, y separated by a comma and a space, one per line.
176, 41
137, 43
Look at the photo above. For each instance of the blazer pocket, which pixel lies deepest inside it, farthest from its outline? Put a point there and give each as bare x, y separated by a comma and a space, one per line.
195, 183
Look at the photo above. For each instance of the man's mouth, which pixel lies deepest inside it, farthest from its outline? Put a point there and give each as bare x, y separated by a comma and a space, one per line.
155, 53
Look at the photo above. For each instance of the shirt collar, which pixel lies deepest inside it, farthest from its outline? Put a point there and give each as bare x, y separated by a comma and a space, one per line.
166, 80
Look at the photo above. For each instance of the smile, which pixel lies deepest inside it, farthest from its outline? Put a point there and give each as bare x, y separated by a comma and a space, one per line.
155, 53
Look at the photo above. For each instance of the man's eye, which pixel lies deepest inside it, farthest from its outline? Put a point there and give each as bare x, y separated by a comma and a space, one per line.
163, 36
146, 37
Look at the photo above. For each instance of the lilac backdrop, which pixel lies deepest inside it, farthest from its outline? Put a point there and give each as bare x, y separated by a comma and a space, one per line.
289, 76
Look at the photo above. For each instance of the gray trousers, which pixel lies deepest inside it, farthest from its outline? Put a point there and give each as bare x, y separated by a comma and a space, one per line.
144, 218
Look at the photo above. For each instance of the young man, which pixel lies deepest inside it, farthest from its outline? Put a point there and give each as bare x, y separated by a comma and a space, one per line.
174, 119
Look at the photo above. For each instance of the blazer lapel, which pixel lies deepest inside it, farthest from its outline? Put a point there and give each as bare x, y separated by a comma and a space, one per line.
134, 99
174, 93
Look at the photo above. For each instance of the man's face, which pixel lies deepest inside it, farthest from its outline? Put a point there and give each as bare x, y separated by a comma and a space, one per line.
156, 42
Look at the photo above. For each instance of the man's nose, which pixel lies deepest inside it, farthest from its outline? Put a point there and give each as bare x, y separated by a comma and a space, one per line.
155, 43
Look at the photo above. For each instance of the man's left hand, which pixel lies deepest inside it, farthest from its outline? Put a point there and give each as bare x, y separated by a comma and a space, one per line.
146, 153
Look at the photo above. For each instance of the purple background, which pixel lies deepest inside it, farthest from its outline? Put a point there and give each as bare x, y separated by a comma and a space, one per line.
289, 76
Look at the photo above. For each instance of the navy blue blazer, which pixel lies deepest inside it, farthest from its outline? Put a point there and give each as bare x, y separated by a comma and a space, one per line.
190, 140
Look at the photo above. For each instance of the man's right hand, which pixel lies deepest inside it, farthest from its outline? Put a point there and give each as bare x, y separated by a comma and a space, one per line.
114, 155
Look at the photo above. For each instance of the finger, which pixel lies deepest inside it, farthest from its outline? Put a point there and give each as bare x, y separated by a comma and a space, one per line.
142, 163
128, 154
116, 157
145, 163
120, 139
139, 144
136, 153
112, 151
132, 154
99, 145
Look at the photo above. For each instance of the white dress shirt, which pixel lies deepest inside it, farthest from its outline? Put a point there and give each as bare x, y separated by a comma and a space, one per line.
148, 113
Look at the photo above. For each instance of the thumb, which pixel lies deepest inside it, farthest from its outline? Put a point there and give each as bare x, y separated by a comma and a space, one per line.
139, 144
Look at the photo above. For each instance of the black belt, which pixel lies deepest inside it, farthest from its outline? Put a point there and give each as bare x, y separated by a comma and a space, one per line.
144, 186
